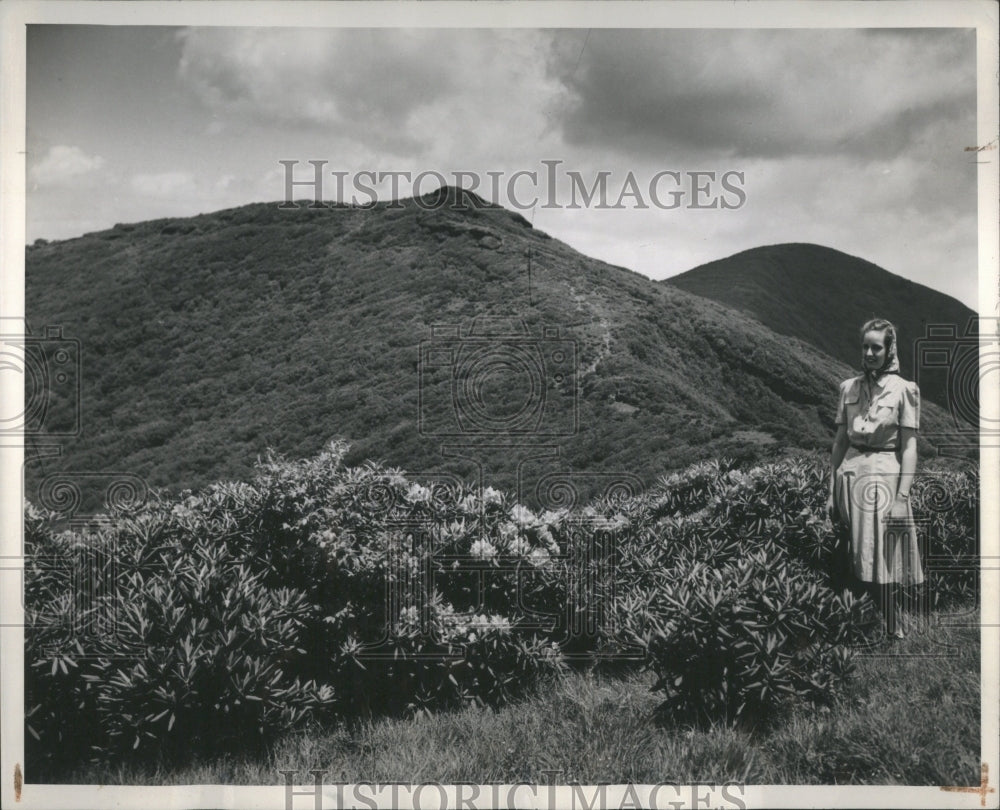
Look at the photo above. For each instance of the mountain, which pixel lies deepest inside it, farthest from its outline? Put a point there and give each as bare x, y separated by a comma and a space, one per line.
431, 335
823, 296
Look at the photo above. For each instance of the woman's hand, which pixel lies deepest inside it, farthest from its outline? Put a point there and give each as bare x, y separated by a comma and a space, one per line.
899, 509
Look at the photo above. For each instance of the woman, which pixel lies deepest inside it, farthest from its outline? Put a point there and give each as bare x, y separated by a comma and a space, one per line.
874, 458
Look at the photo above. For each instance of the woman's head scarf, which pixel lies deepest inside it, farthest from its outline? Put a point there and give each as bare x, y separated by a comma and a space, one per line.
891, 364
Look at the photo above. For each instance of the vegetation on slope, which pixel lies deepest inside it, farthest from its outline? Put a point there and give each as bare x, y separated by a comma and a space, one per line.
822, 296
205, 340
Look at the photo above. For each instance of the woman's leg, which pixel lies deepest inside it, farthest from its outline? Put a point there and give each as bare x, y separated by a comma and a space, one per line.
886, 595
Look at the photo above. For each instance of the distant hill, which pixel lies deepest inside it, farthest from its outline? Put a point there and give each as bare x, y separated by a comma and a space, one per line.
208, 339
823, 296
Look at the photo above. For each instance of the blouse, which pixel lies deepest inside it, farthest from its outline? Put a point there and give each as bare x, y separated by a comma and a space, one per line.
874, 412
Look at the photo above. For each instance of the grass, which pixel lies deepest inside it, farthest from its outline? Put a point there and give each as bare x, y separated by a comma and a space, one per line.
910, 716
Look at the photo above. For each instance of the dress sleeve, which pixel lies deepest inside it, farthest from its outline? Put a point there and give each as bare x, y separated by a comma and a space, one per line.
909, 406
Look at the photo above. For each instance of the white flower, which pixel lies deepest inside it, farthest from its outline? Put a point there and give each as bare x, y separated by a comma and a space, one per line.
539, 557
521, 515
508, 534
616, 522
418, 494
550, 542
483, 549
598, 522
492, 497
500, 624
519, 546
552, 518
468, 505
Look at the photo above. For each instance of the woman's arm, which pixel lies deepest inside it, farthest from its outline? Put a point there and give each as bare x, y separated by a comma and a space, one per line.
836, 457
908, 466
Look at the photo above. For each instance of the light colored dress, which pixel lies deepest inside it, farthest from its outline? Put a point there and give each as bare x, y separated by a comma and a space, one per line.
867, 479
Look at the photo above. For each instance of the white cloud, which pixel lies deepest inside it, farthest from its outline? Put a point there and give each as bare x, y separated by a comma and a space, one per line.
63, 163
165, 184
344, 79
878, 211
402, 93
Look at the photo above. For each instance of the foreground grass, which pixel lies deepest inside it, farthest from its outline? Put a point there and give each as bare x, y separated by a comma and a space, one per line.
910, 716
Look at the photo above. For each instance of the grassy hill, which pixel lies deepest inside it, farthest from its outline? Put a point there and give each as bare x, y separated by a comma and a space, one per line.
208, 339
822, 296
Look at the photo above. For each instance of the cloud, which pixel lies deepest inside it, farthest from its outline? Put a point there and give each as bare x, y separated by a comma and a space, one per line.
436, 93
880, 211
165, 185
850, 138
337, 79
764, 93
63, 163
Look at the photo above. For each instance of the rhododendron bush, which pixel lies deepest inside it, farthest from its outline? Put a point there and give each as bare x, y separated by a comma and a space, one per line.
219, 619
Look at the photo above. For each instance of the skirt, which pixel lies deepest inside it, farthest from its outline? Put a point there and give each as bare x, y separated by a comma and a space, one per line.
881, 550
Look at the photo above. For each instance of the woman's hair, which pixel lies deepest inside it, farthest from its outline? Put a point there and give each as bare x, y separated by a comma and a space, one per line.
881, 325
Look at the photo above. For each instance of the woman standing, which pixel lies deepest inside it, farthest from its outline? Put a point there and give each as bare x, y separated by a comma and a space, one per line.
874, 458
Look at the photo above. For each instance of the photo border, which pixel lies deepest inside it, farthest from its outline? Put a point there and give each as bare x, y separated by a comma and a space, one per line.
982, 15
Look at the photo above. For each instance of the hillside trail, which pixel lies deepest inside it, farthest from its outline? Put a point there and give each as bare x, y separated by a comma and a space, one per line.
604, 348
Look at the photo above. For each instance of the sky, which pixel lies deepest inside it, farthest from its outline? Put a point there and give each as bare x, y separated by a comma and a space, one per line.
850, 138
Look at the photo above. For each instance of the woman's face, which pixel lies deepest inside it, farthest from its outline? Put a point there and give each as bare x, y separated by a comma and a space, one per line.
873, 349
